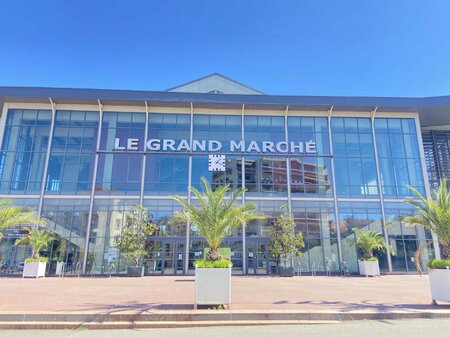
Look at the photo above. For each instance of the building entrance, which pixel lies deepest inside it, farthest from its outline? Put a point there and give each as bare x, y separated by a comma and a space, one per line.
257, 255
166, 256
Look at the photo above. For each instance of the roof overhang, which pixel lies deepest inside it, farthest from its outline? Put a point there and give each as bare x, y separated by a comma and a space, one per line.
433, 111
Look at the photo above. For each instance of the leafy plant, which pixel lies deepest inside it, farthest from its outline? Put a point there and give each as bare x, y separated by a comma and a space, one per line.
12, 215
284, 242
439, 263
221, 263
59, 249
434, 214
369, 240
218, 216
134, 234
34, 260
37, 238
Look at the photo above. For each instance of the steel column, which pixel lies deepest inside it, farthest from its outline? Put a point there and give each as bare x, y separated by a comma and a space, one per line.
47, 157
244, 226
288, 161
437, 250
336, 209
188, 225
380, 187
144, 159
94, 179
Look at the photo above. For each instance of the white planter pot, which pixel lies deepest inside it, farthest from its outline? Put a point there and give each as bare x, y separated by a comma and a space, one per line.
440, 284
34, 269
59, 268
369, 268
212, 286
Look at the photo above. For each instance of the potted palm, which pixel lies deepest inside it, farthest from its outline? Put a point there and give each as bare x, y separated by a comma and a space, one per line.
285, 244
434, 215
38, 239
12, 215
216, 218
366, 242
133, 238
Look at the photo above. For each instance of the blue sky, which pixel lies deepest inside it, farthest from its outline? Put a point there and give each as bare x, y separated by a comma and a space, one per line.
356, 48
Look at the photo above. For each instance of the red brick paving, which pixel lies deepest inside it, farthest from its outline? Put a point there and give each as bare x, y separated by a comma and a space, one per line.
248, 293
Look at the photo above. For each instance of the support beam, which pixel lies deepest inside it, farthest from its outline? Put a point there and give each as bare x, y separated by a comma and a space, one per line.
380, 186
244, 226
436, 247
144, 159
94, 179
188, 225
288, 161
47, 156
336, 207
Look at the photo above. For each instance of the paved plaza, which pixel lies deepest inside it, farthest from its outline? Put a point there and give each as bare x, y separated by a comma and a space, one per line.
312, 294
436, 328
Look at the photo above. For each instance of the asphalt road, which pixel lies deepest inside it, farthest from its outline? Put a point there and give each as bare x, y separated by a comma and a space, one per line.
387, 328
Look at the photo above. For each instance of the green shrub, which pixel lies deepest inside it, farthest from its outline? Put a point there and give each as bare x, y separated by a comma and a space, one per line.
221, 263
439, 263
39, 259
371, 259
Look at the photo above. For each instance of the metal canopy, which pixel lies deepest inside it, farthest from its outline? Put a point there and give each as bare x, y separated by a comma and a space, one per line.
433, 111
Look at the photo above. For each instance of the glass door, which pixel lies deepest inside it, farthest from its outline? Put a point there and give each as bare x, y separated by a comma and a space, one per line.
257, 255
165, 256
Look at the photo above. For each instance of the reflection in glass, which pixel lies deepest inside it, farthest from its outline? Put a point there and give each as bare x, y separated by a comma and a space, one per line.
70, 168
354, 161
119, 173
399, 158
24, 149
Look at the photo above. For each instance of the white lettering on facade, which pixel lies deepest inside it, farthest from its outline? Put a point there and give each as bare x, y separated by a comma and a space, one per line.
199, 145
183, 145
154, 144
133, 144
117, 145
169, 144
311, 147
214, 145
297, 147
237, 146
282, 147
268, 147
253, 146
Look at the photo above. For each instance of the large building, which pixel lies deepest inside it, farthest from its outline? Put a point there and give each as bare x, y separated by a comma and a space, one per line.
83, 157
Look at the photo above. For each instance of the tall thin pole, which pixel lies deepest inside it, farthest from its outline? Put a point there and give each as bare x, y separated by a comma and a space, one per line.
94, 179
47, 157
336, 209
380, 187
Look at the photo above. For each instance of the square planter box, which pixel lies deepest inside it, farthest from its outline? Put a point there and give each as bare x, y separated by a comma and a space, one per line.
440, 284
60, 269
369, 268
286, 271
212, 286
34, 269
135, 271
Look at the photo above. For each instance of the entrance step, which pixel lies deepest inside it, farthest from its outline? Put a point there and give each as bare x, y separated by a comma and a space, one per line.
193, 318
60, 325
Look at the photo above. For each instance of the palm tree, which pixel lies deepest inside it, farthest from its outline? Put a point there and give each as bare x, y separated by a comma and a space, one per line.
217, 216
434, 214
369, 240
38, 239
12, 215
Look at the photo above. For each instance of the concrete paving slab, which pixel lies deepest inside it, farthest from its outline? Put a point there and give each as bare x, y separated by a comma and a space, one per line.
67, 302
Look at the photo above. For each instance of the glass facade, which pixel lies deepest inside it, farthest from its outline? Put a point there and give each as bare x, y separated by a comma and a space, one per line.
354, 157
338, 186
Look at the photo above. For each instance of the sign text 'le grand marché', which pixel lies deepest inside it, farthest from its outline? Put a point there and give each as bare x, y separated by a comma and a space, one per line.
170, 145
